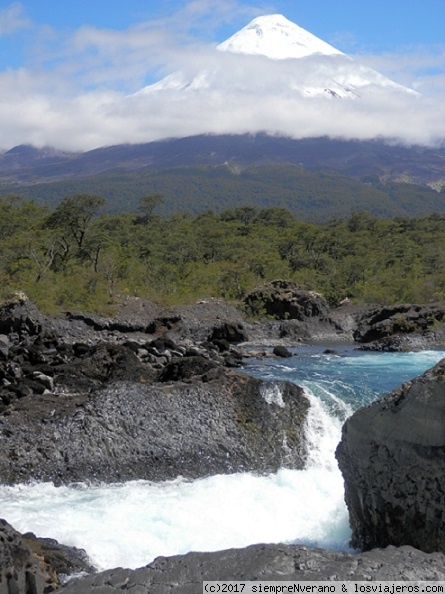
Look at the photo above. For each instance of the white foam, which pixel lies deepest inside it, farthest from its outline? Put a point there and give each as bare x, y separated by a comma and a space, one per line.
272, 393
130, 524
323, 432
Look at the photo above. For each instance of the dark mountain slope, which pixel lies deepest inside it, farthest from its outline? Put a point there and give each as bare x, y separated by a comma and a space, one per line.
419, 165
312, 195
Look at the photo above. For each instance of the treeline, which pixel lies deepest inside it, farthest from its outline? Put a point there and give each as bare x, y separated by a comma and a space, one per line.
78, 257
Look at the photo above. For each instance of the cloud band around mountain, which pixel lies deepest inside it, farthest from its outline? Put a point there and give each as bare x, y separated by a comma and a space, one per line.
214, 92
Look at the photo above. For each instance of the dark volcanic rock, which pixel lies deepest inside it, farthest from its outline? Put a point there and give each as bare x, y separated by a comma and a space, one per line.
135, 315
184, 574
229, 332
108, 362
20, 570
78, 403
392, 459
126, 430
31, 565
198, 322
282, 351
186, 368
284, 300
383, 322
62, 560
20, 316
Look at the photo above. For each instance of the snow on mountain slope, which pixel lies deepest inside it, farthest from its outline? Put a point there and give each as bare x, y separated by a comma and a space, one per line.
276, 37
275, 77
272, 53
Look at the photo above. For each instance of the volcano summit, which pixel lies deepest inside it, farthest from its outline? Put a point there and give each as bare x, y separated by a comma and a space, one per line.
273, 55
270, 77
277, 38
275, 77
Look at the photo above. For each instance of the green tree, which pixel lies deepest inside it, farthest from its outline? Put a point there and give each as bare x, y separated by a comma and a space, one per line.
72, 220
147, 205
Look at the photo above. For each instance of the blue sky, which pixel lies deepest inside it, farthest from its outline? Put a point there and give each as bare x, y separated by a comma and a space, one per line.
51, 51
377, 25
366, 26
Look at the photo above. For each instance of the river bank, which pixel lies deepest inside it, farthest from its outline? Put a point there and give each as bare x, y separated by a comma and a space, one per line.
76, 380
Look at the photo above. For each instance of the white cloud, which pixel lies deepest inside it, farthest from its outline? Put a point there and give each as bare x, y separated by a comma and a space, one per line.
419, 67
79, 92
12, 19
247, 94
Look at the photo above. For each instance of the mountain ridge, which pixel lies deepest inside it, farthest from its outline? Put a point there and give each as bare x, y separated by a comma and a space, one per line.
415, 164
316, 179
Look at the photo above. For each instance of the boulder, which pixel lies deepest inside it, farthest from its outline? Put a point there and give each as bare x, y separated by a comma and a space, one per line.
282, 351
184, 369
222, 422
392, 458
230, 332
283, 300
184, 574
107, 362
18, 315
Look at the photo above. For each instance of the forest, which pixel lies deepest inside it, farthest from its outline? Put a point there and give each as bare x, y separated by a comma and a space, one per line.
77, 256
312, 195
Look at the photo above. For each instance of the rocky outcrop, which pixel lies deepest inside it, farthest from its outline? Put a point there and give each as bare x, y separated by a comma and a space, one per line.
283, 300
20, 570
222, 421
20, 317
184, 574
208, 319
292, 315
59, 561
118, 406
31, 565
392, 458
205, 320
81, 352
84, 399
134, 315
400, 327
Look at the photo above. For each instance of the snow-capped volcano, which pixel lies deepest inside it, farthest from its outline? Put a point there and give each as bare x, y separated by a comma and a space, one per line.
276, 37
275, 77
294, 61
